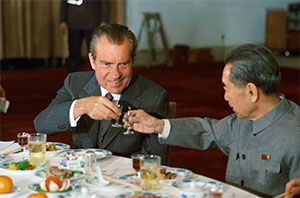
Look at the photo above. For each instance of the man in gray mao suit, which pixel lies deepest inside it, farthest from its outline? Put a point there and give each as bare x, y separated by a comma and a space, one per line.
261, 138
81, 105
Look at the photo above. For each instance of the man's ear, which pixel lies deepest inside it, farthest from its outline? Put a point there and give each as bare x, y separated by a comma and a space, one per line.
92, 61
252, 92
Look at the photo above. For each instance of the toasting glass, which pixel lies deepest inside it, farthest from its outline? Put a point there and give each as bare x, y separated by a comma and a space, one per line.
129, 131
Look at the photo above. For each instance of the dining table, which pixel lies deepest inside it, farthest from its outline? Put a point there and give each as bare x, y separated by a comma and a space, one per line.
111, 165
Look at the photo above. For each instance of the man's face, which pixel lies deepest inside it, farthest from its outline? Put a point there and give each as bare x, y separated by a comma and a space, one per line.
113, 64
237, 97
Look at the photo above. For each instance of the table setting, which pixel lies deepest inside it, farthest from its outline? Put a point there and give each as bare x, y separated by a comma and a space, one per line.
59, 171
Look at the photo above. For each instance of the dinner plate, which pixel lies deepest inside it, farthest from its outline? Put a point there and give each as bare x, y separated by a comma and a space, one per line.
7, 164
181, 173
100, 153
43, 174
60, 147
14, 192
198, 186
3, 158
161, 195
36, 188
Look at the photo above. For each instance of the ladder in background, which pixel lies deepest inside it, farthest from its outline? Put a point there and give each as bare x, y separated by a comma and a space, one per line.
153, 24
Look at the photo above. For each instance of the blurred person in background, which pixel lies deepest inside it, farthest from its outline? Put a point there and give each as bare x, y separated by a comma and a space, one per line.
79, 18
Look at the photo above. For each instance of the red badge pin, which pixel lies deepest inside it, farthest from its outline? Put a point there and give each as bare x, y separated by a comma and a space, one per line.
265, 157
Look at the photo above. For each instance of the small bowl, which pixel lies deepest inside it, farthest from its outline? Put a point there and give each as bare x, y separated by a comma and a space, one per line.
191, 188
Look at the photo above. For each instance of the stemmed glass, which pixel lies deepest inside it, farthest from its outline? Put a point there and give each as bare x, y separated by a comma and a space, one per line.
137, 162
117, 123
128, 131
23, 141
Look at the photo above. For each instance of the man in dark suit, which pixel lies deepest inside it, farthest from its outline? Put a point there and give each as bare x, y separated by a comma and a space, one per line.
80, 18
81, 105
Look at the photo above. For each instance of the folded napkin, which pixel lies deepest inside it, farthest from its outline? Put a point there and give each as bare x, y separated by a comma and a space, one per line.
6, 146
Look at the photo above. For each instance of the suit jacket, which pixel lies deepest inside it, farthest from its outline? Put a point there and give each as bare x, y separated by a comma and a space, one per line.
140, 94
263, 154
86, 16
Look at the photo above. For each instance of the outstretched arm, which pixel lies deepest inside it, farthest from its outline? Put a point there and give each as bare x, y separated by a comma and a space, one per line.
142, 122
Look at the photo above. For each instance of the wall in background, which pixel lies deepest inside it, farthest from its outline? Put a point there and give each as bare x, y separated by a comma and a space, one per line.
200, 23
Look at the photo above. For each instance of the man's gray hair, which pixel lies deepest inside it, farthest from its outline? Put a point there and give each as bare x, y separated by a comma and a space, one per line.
255, 64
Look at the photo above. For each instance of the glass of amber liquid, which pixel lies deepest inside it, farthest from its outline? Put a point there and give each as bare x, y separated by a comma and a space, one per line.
23, 141
37, 147
137, 162
150, 173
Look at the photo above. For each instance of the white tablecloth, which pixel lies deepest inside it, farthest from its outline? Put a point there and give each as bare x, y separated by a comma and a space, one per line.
111, 165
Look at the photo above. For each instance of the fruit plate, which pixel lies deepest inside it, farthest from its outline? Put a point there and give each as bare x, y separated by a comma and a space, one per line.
60, 147
100, 153
75, 174
36, 188
15, 191
180, 174
145, 193
4, 167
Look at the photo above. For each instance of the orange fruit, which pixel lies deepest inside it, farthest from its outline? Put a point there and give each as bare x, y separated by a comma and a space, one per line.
6, 184
38, 195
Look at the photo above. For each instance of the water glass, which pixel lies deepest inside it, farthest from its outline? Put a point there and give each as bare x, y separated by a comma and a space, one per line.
150, 173
37, 147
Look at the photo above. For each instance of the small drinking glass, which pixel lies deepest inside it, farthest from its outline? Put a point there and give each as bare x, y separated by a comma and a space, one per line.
23, 141
37, 147
117, 123
129, 131
137, 162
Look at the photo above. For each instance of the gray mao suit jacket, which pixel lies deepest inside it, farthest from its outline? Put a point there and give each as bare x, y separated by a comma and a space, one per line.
140, 94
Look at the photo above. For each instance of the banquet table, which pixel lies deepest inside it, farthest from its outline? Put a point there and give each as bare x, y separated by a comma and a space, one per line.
112, 165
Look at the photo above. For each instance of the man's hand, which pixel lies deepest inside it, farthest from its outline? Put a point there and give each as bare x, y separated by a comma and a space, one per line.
293, 186
97, 108
143, 122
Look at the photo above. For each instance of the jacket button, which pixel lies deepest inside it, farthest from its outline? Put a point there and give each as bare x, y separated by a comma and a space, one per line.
242, 182
243, 156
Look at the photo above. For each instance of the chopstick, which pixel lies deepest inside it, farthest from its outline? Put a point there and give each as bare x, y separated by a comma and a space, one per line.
128, 174
13, 151
285, 195
113, 179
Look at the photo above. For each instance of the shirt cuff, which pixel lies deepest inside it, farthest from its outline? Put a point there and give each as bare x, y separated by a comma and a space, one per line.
73, 122
166, 131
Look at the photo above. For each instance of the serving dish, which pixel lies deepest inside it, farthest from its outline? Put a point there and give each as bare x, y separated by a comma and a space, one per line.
100, 153
4, 167
146, 193
60, 147
180, 173
36, 188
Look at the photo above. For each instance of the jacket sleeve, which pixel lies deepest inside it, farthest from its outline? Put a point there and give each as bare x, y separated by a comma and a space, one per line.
55, 118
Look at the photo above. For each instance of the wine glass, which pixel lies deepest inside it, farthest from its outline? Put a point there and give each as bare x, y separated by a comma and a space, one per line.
128, 131
137, 162
117, 122
23, 141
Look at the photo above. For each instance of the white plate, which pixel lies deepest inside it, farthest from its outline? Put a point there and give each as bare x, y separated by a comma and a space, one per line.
3, 158
15, 191
181, 173
33, 187
199, 186
100, 153
41, 166
145, 193
42, 174
61, 147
